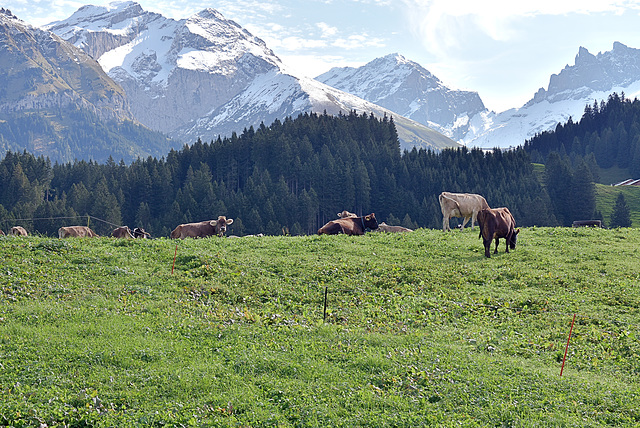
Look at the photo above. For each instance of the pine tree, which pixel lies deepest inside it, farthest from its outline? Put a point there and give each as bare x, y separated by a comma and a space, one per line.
621, 215
583, 195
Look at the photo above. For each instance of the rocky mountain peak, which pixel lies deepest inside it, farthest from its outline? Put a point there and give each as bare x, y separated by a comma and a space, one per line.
585, 58
407, 88
7, 13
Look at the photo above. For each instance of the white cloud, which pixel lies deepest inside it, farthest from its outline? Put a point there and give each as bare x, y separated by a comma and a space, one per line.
326, 29
294, 44
442, 23
358, 41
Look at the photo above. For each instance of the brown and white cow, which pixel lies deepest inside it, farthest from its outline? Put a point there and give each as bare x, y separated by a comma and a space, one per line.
122, 232
18, 231
384, 227
465, 205
202, 229
346, 214
496, 223
76, 232
350, 225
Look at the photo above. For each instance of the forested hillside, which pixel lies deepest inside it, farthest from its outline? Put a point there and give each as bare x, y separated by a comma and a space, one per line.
292, 176
607, 134
575, 154
69, 134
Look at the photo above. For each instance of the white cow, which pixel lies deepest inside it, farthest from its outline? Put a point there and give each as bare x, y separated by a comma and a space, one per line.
465, 205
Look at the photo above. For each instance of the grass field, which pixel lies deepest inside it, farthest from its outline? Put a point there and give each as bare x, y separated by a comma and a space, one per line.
606, 200
421, 329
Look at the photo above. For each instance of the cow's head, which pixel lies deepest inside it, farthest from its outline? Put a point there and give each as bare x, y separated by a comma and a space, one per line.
221, 224
370, 221
514, 239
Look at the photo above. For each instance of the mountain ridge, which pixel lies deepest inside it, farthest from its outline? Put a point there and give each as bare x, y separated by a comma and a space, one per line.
190, 76
407, 88
591, 78
57, 101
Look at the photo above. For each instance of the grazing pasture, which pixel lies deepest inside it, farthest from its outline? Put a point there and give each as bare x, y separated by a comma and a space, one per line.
420, 329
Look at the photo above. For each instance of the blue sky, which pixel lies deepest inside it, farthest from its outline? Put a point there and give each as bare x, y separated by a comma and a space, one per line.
502, 49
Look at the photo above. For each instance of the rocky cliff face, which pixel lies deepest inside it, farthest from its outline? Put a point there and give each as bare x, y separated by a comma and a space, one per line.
619, 67
42, 71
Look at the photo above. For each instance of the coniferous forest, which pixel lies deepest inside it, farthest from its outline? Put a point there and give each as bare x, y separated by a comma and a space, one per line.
296, 174
290, 177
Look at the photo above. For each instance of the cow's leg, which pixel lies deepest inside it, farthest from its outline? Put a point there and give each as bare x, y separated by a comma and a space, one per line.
507, 240
487, 247
464, 221
474, 218
445, 223
496, 250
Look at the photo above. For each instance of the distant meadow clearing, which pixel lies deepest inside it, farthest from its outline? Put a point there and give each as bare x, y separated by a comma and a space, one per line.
419, 329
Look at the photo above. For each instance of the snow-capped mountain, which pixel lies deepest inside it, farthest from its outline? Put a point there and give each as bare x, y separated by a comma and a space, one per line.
276, 95
407, 88
591, 78
172, 71
206, 76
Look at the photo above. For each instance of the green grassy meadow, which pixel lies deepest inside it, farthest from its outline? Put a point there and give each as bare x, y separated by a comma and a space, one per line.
421, 330
606, 200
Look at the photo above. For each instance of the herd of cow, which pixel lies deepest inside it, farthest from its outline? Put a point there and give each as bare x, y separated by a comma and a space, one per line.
494, 223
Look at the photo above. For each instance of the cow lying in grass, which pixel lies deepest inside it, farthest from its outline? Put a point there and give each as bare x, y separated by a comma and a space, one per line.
202, 229
384, 227
77, 232
350, 225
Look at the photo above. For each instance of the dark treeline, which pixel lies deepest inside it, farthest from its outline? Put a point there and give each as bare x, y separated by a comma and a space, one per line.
607, 135
292, 176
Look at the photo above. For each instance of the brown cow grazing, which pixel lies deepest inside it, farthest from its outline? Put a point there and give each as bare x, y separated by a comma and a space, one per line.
140, 233
465, 205
384, 227
76, 232
350, 225
203, 229
122, 232
495, 224
346, 214
18, 231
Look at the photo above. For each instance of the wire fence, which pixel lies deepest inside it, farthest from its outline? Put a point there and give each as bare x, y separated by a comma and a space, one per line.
88, 217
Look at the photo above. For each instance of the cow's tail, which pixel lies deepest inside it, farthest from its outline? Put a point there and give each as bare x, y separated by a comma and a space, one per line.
452, 200
480, 219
